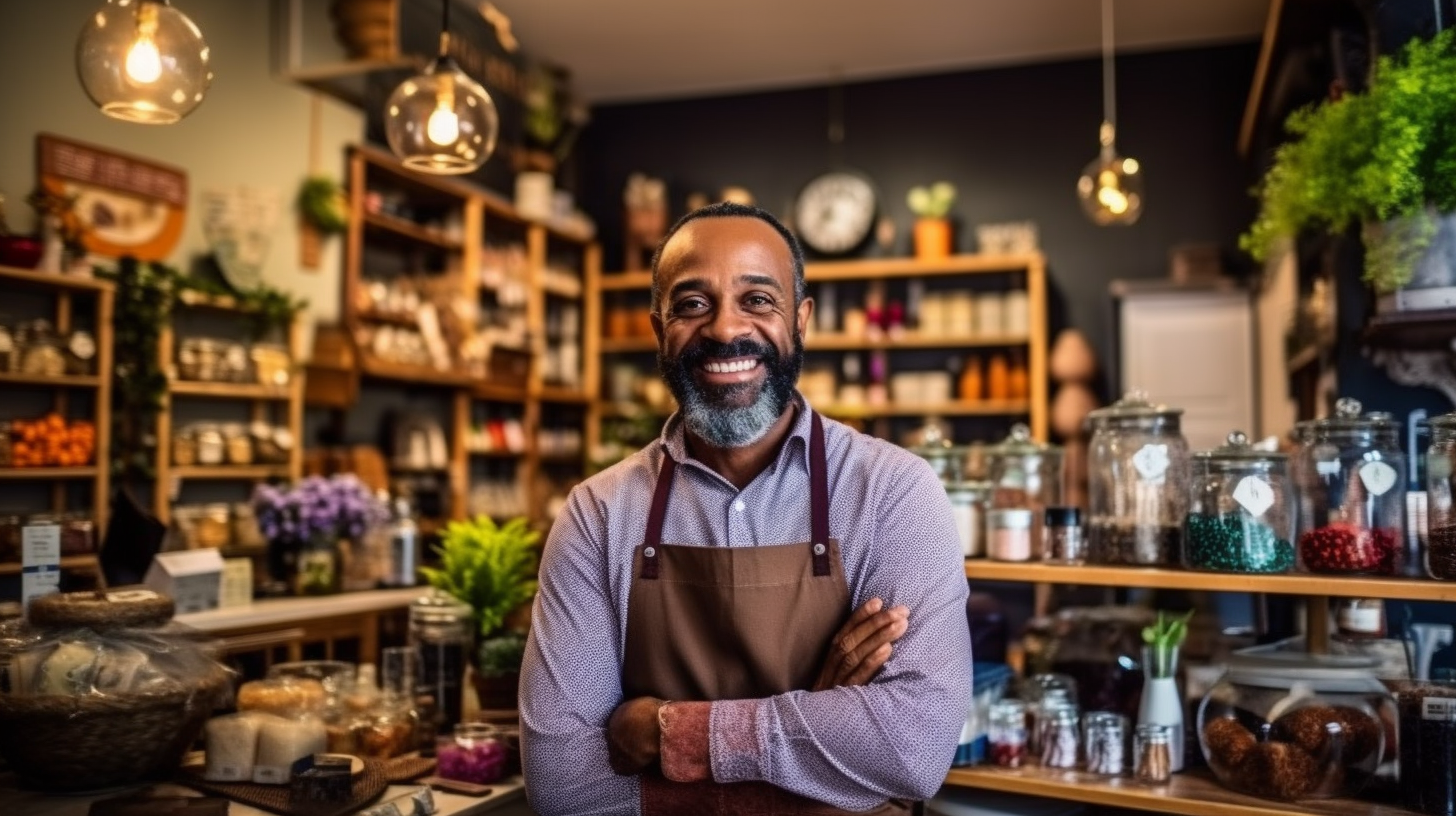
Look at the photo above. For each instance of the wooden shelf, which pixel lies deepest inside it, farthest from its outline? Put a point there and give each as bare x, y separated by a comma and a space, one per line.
400, 228
1193, 793
555, 393
497, 393
49, 280
391, 318
563, 458
418, 375
240, 472
981, 408
17, 474
71, 562
222, 390
54, 382
626, 281
621, 344
495, 454
1411, 589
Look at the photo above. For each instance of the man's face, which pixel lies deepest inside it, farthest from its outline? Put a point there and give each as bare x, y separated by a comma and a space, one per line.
730, 337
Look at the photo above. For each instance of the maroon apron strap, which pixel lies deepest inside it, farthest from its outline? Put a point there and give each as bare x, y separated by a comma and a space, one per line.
819, 498
653, 540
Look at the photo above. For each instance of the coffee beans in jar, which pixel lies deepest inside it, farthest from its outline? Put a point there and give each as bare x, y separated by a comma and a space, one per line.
1109, 542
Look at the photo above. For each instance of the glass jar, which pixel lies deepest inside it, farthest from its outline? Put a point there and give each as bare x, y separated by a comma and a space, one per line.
1351, 474
473, 754
440, 627
968, 502
1058, 734
9, 352
81, 353
184, 447
1152, 754
239, 444
1240, 515
1104, 736
1009, 531
78, 534
211, 445
1441, 512
1137, 468
1296, 726
1428, 747
1025, 473
1062, 539
1006, 733
43, 355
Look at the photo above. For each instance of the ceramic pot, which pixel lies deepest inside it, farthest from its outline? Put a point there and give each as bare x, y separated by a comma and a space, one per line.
497, 693
932, 239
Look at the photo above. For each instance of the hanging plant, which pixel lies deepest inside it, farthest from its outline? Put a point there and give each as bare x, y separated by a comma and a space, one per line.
322, 204
144, 296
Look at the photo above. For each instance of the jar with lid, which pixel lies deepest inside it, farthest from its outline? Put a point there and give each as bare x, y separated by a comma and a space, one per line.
1009, 534
42, 350
1440, 490
968, 502
239, 444
1153, 754
474, 753
211, 445
1006, 732
1025, 473
1428, 746
1058, 734
1137, 469
78, 533
80, 353
1240, 510
184, 446
441, 628
1062, 540
1292, 726
1104, 736
1351, 475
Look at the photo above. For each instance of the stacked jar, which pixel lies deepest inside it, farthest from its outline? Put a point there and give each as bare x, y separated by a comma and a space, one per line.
1239, 517
1025, 475
1440, 480
1137, 468
1351, 476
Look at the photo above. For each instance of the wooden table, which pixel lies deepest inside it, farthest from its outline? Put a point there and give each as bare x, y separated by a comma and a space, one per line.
507, 798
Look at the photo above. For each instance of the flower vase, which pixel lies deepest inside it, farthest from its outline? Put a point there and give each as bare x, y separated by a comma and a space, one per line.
317, 568
1161, 703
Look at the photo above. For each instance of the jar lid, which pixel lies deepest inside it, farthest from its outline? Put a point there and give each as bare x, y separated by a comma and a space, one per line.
1063, 516
1011, 518
1020, 442
1134, 405
1348, 417
1285, 669
1445, 422
105, 608
439, 607
1237, 450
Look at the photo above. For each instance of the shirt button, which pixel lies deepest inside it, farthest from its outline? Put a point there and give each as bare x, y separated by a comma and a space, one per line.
739, 505
649, 552
818, 549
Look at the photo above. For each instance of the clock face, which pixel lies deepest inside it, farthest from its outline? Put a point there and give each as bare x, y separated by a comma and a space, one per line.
835, 212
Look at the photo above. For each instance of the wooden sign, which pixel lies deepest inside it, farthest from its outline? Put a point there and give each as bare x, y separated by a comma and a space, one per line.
127, 205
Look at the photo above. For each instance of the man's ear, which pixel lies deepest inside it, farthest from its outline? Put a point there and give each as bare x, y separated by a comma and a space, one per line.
657, 326
804, 312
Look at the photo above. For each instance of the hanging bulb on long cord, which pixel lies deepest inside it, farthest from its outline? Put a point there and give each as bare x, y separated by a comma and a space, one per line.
143, 61
441, 121
1111, 186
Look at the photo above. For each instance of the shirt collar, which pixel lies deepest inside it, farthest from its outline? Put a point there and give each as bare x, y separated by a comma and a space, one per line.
796, 444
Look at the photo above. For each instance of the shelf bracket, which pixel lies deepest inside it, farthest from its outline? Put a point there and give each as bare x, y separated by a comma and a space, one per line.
1434, 369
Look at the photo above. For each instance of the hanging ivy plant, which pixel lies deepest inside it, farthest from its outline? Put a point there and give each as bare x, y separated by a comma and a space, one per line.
322, 203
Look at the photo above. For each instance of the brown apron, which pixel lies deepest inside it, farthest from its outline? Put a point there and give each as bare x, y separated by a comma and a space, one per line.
728, 623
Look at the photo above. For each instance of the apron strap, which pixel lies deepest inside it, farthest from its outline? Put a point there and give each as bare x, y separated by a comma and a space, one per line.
653, 541
819, 498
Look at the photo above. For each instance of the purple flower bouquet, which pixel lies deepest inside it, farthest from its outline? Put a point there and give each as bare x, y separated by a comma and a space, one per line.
313, 515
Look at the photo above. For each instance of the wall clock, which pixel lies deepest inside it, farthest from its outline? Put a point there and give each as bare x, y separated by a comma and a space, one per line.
835, 212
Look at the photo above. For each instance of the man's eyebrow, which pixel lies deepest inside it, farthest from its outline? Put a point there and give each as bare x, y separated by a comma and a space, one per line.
686, 285
761, 280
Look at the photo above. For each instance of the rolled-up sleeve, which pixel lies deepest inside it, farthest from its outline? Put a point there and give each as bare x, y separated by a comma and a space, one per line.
856, 746
570, 678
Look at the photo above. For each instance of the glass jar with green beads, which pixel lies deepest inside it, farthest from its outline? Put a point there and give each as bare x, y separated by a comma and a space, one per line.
1239, 514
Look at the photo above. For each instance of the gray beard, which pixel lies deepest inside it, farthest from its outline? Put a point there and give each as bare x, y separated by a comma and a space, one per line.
730, 427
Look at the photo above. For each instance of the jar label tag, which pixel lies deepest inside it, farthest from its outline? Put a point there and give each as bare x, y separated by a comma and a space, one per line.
1327, 467
1254, 494
1439, 708
1151, 461
1378, 477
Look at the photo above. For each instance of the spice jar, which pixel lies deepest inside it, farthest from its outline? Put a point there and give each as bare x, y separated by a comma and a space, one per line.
473, 754
78, 534
184, 447
1103, 736
42, 355
1240, 517
1006, 733
1440, 481
1351, 476
1428, 747
211, 447
968, 504
1137, 468
1025, 473
1010, 534
80, 353
1057, 735
239, 444
1062, 540
1152, 754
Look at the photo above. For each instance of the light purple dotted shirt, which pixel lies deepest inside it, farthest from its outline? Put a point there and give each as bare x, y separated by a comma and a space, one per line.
852, 747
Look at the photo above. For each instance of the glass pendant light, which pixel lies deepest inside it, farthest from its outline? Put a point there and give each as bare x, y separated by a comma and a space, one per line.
441, 121
1111, 187
143, 61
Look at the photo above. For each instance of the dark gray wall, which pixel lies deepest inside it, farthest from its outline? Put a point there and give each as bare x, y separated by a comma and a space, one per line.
1012, 140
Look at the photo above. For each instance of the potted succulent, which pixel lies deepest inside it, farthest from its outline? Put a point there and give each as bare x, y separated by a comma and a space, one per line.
1383, 159
931, 205
492, 569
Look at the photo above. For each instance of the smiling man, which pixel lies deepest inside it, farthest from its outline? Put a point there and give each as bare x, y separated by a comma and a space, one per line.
761, 612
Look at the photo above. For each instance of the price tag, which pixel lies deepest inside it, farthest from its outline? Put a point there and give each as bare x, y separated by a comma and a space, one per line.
40, 561
1151, 462
1254, 494
1378, 477
1442, 709
1329, 467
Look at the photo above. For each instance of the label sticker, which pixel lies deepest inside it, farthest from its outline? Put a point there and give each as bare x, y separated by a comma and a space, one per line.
1439, 708
1254, 494
1328, 467
1151, 461
1378, 477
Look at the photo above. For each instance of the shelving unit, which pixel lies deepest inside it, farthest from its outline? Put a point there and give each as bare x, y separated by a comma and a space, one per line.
1027, 271
66, 295
380, 245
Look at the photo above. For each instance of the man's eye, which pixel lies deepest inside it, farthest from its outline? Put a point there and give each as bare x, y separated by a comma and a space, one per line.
690, 306
758, 302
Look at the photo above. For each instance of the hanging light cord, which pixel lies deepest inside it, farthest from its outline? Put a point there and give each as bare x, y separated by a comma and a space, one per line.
445, 27
1109, 82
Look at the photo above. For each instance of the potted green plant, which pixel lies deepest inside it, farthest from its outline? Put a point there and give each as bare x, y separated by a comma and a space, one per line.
1383, 159
492, 569
931, 205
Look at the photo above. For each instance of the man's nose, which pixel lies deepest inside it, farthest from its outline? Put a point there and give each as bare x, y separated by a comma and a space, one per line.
727, 324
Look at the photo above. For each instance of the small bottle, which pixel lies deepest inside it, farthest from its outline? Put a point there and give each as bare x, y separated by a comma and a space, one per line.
1153, 754
1006, 732
1058, 726
998, 378
1010, 534
1103, 733
404, 546
1018, 381
1062, 540
970, 384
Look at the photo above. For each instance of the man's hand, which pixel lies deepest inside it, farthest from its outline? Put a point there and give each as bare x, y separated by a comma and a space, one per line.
632, 735
862, 645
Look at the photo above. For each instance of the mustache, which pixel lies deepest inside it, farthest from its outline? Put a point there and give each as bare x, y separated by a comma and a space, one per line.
704, 349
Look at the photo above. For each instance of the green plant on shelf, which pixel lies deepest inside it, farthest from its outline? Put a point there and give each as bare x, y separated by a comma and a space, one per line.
1164, 638
933, 201
322, 204
492, 569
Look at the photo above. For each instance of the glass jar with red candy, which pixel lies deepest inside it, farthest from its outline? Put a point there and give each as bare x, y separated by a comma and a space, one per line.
1440, 479
1350, 474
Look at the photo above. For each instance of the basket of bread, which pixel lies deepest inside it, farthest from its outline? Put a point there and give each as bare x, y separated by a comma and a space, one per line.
101, 688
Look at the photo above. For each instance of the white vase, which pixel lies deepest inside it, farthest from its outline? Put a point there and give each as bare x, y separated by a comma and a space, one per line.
1162, 704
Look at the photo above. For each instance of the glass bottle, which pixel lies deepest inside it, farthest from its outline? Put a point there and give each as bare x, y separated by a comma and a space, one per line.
1057, 726
1440, 480
1153, 754
1025, 474
970, 381
1137, 486
968, 502
1240, 515
1062, 540
1103, 736
404, 546
440, 628
1351, 474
